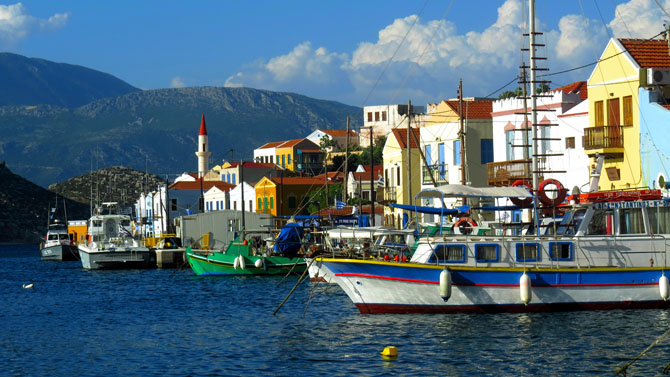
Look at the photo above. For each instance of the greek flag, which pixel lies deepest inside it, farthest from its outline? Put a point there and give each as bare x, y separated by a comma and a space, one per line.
339, 204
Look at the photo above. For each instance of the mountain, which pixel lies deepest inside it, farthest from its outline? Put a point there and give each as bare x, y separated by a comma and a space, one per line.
116, 184
156, 130
25, 206
32, 81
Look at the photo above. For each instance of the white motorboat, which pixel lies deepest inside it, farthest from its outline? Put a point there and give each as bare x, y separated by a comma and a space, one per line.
57, 245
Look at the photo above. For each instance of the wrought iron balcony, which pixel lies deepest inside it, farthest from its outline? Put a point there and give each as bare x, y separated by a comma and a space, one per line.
439, 172
607, 138
390, 194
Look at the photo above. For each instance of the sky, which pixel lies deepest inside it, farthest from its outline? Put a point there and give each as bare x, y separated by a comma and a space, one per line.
361, 53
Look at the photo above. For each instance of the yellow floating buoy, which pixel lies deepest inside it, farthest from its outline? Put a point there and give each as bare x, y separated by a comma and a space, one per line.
390, 352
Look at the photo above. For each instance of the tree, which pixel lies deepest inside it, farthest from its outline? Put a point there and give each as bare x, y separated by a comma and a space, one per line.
317, 197
518, 92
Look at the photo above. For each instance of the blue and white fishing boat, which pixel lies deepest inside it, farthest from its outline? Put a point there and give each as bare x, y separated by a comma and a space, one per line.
609, 251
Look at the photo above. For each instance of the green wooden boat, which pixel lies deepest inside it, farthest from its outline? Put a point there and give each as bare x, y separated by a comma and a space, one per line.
247, 255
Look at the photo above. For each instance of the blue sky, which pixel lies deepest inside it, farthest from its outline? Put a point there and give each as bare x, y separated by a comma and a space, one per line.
335, 50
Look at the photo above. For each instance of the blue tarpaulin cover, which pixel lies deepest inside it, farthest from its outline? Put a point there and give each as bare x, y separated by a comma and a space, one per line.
289, 240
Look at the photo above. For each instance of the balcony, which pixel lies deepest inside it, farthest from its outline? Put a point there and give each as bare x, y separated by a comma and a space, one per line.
504, 173
390, 194
603, 139
439, 172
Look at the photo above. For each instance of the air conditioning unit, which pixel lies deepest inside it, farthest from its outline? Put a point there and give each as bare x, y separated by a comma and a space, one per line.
658, 76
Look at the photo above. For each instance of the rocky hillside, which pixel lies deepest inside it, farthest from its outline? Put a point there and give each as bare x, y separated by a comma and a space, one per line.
31, 81
157, 129
25, 207
116, 184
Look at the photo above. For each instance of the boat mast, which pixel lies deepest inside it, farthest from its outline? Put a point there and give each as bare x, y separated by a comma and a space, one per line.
533, 92
409, 155
461, 134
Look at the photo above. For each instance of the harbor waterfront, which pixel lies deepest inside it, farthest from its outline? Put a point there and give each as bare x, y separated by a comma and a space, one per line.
169, 322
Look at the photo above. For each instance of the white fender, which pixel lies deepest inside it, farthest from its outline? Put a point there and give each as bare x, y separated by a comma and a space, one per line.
242, 263
236, 263
445, 284
259, 263
663, 287
524, 289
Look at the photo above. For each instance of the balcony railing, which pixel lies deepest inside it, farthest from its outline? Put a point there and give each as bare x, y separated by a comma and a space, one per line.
439, 172
603, 137
390, 194
504, 173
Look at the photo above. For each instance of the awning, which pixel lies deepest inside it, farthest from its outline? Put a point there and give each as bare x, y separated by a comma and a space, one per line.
431, 210
479, 192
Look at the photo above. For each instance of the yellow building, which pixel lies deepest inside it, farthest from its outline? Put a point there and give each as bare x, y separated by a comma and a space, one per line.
284, 196
396, 174
299, 155
615, 88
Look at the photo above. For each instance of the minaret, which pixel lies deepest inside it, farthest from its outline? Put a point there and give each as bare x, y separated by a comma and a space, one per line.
203, 149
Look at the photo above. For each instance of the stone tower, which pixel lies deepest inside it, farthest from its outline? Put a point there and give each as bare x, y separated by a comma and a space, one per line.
203, 149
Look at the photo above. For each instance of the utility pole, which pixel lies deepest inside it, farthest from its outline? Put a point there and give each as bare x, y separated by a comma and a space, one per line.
461, 134
241, 185
346, 163
372, 179
409, 155
533, 92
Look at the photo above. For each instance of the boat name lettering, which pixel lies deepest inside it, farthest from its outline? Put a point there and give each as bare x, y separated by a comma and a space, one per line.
636, 204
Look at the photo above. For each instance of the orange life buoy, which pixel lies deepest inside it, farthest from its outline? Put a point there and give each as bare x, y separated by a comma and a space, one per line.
465, 225
561, 192
526, 202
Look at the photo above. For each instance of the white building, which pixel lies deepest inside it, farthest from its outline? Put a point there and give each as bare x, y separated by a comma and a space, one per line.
216, 199
565, 114
249, 198
266, 152
382, 119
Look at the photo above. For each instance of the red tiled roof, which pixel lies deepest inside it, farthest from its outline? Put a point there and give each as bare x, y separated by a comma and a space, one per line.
297, 181
271, 144
203, 127
290, 143
310, 150
333, 175
253, 165
576, 87
206, 185
401, 135
348, 210
336, 133
648, 53
473, 109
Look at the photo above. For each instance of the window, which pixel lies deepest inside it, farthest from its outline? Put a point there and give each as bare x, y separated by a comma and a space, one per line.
659, 220
527, 252
509, 145
384, 115
265, 203
486, 253
560, 251
570, 142
260, 203
228, 177
487, 150
370, 117
386, 178
272, 202
217, 205
251, 205
235, 204
448, 253
601, 222
457, 152
613, 113
376, 116
598, 110
441, 161
233, 176
271, 160
427, 154
289, 159
630, 221
292, 202
397, 182
283, 161
627, 111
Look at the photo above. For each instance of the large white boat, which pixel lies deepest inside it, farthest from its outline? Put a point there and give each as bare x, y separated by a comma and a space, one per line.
57, 245
109, 244
607, 251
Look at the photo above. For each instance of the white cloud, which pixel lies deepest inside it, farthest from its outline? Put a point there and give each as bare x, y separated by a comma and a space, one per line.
434, 54
177, 82
639, 19
16, 24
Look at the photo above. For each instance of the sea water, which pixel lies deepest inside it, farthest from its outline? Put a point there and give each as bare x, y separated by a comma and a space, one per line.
76, 322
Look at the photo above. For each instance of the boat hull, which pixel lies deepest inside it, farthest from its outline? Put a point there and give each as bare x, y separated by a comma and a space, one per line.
318, 272
387, 287
218, 263
59, 253
116, 258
